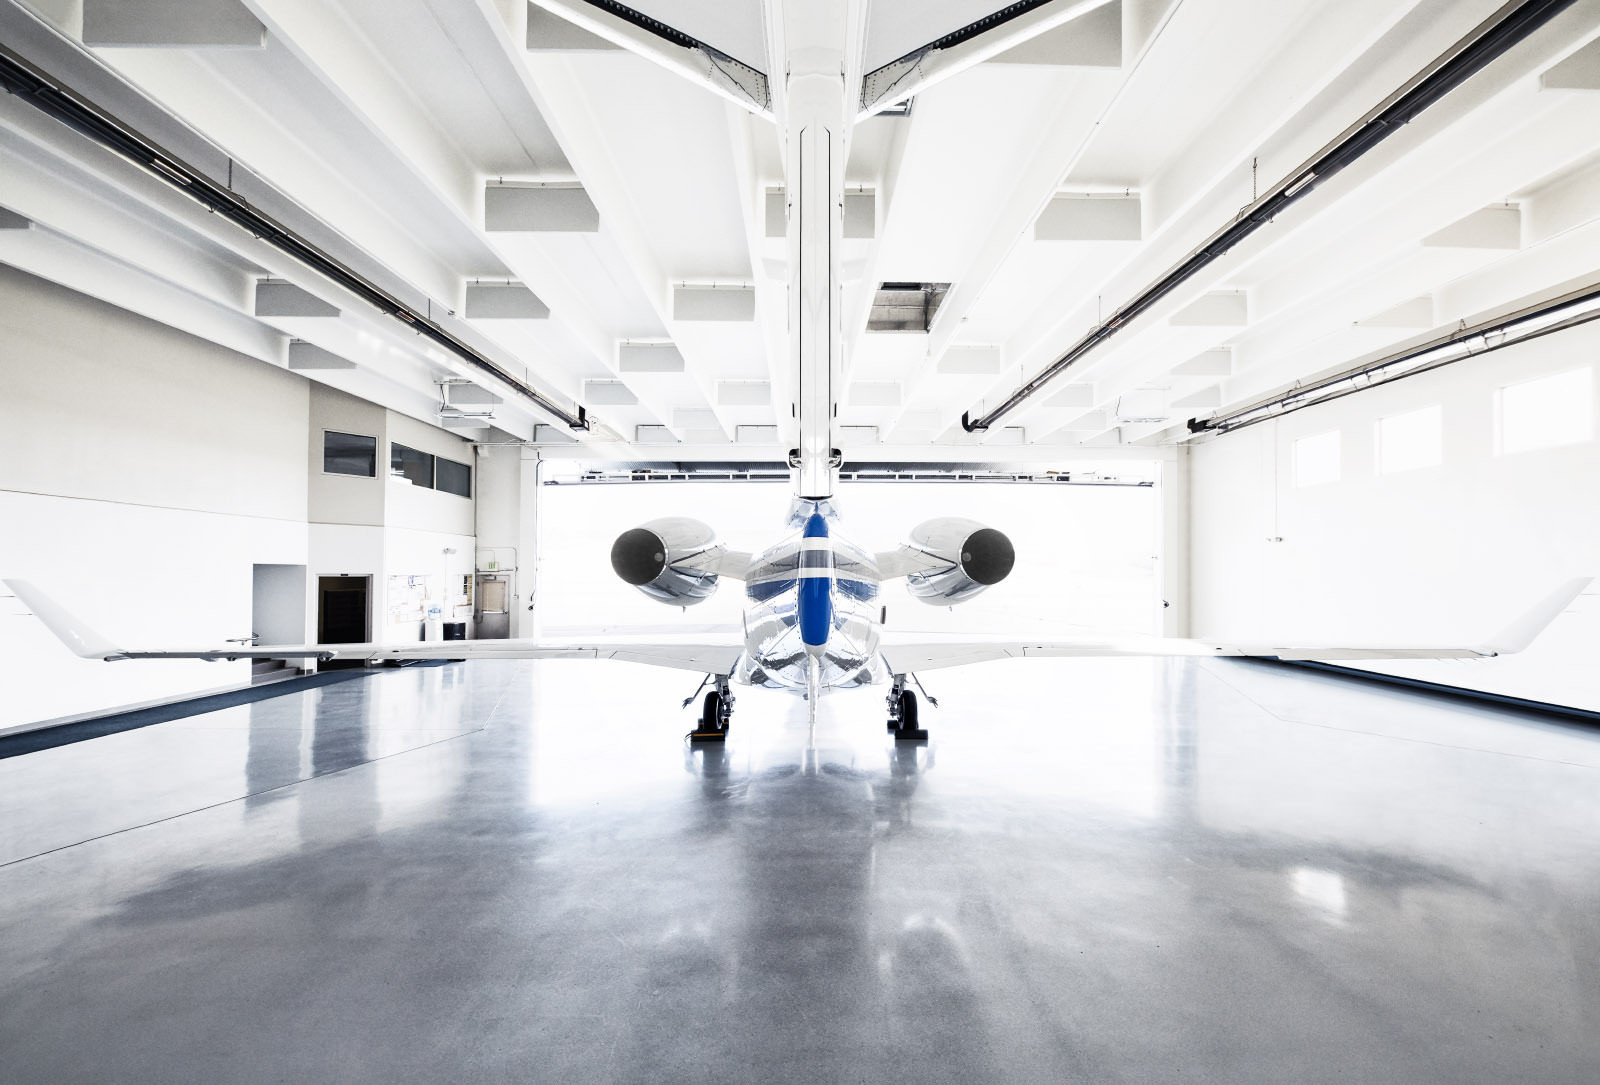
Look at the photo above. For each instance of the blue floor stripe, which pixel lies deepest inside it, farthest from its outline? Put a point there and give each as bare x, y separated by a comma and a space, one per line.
1440, 689
48, 738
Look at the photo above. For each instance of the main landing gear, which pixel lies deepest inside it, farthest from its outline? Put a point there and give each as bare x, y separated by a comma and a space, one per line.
716, 712
903, 713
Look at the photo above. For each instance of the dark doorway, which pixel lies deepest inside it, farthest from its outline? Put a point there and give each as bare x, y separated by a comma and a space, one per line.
342, 613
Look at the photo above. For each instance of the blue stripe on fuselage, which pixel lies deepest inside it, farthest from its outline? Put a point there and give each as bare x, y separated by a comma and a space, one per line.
816, 596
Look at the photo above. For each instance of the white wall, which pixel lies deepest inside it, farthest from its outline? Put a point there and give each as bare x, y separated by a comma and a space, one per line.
1441, 554
143, 473
505, 527
345, 499
422, 509
382, 527
420, 525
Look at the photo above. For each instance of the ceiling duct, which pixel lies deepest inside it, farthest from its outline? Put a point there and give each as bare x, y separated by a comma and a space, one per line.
1510, 25
906, 307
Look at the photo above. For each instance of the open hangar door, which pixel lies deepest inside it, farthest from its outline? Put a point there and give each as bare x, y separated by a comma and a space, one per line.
1088, 540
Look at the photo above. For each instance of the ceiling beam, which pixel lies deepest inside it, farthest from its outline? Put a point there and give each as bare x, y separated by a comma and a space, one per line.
668, 48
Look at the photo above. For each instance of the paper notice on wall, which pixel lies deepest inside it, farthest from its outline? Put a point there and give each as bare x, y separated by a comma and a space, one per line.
407, 596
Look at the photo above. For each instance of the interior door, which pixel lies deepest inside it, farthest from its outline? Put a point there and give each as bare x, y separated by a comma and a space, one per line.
342, 611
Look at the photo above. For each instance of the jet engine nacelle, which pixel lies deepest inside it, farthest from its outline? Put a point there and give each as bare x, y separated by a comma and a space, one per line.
979, 557
666, 559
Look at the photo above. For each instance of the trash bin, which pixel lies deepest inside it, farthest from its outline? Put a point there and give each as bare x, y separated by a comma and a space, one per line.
455, 630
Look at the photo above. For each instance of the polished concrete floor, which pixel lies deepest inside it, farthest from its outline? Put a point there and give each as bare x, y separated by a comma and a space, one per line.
1100, 872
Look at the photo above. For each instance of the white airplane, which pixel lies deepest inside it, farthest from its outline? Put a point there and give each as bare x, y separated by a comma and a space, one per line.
811, 623
811, 620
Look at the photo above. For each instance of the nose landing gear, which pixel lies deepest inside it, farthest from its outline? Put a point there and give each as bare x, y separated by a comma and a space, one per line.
903, 713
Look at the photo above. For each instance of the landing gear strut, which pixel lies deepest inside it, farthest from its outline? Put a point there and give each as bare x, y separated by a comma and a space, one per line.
903, 713
716, 713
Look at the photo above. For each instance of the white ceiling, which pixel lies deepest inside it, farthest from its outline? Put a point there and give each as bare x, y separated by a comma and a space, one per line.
381, 122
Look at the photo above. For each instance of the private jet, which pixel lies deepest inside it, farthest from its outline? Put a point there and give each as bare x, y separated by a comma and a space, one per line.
812, 621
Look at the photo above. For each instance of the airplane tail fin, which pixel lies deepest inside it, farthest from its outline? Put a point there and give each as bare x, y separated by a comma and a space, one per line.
1522, 632
83, 641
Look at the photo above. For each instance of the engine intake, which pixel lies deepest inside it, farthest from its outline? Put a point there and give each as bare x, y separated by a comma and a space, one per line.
667, 559
979, 557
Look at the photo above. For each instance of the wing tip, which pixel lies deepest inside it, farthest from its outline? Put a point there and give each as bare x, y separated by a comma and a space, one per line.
78, 637
1526, 629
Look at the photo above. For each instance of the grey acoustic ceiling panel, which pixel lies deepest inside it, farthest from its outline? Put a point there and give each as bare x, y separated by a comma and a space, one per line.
550, 33
172, 24
603, 393
504, 301
648, 358
275, 297
1089, 218
470, 395
776, 212
552, 435
860, 215
654, 435
713, 303
535, 207
971, 361
304, 355
744, 393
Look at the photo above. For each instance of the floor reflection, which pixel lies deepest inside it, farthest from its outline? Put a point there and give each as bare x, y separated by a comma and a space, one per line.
1159, 873
799, 969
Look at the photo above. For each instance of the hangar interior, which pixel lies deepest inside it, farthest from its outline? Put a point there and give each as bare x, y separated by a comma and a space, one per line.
1250, 321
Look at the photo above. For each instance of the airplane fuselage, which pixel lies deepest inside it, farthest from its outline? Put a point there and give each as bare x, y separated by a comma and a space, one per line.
815, 594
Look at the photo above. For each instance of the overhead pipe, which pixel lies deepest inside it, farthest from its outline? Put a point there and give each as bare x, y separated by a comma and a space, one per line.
30, 85
1506, 28
1557, 314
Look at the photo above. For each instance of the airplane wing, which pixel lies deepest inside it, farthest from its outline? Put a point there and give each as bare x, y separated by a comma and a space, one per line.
911, 652
733, 564
908, 559
689, 652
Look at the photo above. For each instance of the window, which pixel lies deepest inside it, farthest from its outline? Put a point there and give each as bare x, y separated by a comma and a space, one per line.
1412, 440
1544, 413
349, 454
454, 478
1316, 459
409, 464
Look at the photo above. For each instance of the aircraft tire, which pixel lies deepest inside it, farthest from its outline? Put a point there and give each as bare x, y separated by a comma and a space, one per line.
908, 729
